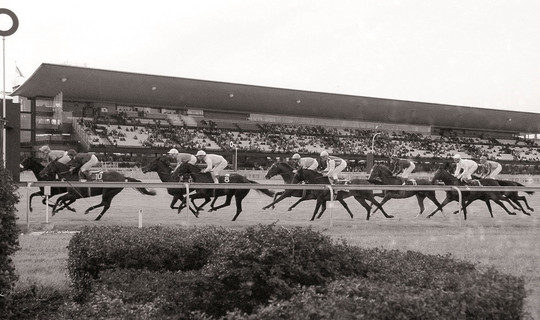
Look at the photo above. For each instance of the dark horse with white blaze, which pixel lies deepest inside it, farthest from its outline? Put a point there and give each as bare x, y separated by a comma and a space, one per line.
314, 177
34, 165
382, 175
442, 175
286, 171
221, 188
107, 194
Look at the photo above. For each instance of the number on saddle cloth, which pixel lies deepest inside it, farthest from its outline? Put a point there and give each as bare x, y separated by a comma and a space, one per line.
95, 175
411, 182
227, 178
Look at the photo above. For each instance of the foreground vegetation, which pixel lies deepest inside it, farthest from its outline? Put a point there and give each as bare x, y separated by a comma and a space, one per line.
245, 270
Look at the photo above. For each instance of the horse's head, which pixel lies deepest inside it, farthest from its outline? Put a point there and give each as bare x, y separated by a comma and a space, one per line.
443, 176
50, 169
278, 168
306, 175
159, 165
30, 163
378, 172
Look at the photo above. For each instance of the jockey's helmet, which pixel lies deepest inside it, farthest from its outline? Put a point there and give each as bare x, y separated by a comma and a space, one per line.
324, 154
71, 153
45, 149
483, 159
457, 157
295, 156
173, 151
200, 153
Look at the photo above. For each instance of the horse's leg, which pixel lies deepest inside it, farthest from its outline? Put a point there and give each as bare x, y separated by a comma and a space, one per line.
524, 199
513, 201
442, 205
39, 193
385, 199
364, 204
275, 197
305, 196
499, 202
420, 199
239, 196
317, 206
378, 205
344, 204
227, 202
283, 195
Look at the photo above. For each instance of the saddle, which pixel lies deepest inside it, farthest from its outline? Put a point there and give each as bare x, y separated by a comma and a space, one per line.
473, 182
341, 182
411, 182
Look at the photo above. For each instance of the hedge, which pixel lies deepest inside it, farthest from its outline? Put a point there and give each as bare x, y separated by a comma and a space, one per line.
272, 272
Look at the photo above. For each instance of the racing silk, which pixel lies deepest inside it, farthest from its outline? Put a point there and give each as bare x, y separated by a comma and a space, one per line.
334, 165
491, 169
214, 162
403, 166
185, 157
87, 159
468, 166
61, 155
308, 163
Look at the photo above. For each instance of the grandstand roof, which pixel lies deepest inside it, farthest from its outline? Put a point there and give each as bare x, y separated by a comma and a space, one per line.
125, 88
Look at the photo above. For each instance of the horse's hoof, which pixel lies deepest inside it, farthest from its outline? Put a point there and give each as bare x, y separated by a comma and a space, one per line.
390, 217
290, 209
513, 213
526, 213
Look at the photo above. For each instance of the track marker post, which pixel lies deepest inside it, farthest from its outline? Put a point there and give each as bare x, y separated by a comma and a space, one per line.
331, 205
140, 218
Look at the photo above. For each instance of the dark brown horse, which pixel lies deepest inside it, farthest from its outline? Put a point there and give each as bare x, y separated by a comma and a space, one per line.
221, 187
286, 171
380, 174
107, 194
314, 177
442, 175
34, 165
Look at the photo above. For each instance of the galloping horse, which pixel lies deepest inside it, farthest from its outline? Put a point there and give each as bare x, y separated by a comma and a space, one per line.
164, 171
513, 197
73, 194
239, 194
314, 177
381, 175
287, 173
34, 165
469, 196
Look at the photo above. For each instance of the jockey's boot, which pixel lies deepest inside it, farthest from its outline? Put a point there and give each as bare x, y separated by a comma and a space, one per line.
83, 176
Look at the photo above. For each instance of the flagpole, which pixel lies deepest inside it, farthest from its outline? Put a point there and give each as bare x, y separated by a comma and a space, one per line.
3, 121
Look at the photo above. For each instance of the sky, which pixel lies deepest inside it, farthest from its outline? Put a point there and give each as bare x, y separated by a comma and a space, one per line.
480, 53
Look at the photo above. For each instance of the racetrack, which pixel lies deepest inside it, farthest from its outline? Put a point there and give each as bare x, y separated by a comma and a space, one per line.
507, 242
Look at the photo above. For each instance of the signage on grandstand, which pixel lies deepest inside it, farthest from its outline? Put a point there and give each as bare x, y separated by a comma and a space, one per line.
195, 112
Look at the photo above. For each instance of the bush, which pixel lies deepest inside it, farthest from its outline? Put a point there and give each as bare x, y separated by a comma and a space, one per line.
9, 233
271, 272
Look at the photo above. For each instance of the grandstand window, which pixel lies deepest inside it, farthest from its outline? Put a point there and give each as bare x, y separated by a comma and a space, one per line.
26, 105
26, 121
48, 103
26, 136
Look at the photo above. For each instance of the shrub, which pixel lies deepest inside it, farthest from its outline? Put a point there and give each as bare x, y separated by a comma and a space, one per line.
9, 233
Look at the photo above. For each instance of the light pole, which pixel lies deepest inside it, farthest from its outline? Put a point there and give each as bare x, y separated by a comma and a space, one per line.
373, 142
233, 145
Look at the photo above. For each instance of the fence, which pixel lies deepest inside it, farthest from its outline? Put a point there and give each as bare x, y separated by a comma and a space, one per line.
191, 186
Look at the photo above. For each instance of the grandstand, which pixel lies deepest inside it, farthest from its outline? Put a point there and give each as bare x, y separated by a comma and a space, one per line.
100, 113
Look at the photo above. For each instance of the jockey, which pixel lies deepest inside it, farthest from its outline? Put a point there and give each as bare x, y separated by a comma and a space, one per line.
214, 163
403, 166
181, 157
304, 163
334, 166
490, 169
468, 166
51, 155
89, 160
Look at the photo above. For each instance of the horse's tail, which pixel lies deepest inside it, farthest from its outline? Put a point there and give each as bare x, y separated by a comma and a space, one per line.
265, 191
514, 183
148, 192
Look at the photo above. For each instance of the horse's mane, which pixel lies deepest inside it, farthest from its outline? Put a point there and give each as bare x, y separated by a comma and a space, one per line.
384, 168
285, 163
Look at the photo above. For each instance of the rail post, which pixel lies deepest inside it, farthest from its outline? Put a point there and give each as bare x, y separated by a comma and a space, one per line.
331, 205
187, 203
28, 185
459, 201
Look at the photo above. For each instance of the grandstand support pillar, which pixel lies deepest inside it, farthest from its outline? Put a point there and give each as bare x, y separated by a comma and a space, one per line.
370, 161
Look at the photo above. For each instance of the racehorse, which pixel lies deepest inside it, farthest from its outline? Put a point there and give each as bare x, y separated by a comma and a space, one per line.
107, 194
513, 197
34, 165
287, 173
164, 171
206, 177
314, 177
468, 196
381, 175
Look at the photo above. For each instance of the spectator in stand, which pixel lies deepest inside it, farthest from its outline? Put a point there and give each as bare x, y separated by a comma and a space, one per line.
214, 163
334, 166
181, 157
464, 168
51, 155
403, 166
304, 163
489, 169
